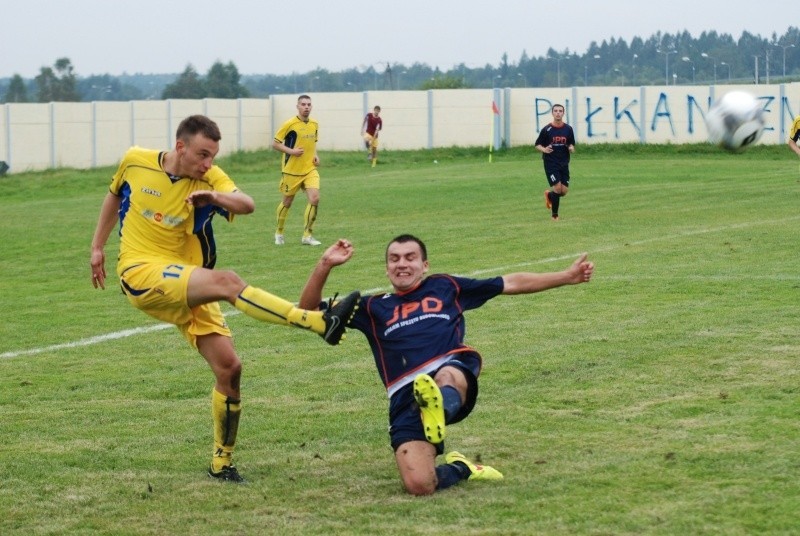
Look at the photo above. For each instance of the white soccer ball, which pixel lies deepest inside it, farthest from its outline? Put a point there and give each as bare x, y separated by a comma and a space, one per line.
735, 121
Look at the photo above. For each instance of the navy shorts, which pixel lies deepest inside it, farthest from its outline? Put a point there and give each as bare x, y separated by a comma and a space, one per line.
405, 421
556, 173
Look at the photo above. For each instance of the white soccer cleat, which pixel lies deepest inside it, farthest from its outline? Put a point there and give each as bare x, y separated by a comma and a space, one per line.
278, 239
310, 241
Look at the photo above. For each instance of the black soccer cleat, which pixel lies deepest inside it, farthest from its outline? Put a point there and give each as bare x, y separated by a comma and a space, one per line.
338, 315
227, 474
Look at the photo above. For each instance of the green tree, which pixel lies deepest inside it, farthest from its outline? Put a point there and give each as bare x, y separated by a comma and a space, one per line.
189, 85
443, 82
17, 92
223, 82
46, 85
57, 83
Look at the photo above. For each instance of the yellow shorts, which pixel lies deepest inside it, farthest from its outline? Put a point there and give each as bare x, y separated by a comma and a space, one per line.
160, 290
291, 184
372, 140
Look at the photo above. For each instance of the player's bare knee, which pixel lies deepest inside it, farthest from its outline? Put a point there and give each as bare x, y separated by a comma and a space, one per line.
230, 283
228, 371
419, 487
234, 372
454, 377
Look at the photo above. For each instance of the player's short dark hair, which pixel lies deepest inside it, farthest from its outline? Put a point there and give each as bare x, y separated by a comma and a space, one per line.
198, 124
303, 96
377, 108
402, 239
557, 104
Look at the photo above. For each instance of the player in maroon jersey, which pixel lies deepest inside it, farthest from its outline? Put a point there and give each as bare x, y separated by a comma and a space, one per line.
370, 128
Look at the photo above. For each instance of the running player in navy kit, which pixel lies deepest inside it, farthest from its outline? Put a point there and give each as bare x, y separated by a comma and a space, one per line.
416, 334
556, 142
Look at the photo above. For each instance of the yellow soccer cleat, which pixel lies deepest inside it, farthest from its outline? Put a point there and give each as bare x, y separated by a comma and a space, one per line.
431, 405
477, 472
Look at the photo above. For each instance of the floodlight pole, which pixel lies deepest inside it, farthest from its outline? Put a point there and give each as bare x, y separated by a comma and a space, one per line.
756, 67
666, 63
784, 47
728, 65
558, 68
706, 56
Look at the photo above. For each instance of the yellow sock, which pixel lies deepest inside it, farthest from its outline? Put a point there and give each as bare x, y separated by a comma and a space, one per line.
310, 216
281, 212
225, 412
267, 307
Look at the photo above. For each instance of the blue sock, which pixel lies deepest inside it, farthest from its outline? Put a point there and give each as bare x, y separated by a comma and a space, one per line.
451, 474
452, 402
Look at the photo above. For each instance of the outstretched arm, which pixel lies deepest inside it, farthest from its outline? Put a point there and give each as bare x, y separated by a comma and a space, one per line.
526, 282
339, 253
105, 224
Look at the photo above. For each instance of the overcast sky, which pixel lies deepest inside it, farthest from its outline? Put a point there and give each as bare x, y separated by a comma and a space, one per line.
263, 36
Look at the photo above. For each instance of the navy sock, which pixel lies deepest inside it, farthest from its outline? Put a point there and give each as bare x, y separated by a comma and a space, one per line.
450, 474
452, 402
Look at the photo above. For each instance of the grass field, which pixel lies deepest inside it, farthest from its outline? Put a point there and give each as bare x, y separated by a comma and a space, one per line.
662, 398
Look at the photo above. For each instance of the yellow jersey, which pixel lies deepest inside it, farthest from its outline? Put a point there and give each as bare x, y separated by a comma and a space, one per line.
794, 133
155, 222
296, 133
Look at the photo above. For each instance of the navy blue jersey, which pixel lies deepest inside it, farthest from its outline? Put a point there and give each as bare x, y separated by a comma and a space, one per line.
559, 138
415, 332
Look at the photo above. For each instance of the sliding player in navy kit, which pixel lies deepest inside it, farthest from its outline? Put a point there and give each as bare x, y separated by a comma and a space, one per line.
556, 142
416, 334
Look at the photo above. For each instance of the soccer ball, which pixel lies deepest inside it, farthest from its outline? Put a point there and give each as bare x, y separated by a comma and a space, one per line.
735, 121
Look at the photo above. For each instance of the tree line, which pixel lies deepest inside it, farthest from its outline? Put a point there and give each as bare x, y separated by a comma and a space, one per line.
60, 84
661, 59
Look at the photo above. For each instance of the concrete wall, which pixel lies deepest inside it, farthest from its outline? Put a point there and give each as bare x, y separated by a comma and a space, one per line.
86, 135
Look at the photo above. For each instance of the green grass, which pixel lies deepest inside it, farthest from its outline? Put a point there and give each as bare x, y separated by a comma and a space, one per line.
662, 398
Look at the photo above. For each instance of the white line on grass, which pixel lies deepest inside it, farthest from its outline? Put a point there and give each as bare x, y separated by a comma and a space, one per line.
87, 342
501, 269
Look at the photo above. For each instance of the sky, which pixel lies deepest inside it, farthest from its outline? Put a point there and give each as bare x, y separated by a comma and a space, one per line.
266, 37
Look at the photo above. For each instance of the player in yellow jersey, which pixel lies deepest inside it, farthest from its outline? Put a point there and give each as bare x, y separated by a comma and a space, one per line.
165, 201
297, 140
794, 136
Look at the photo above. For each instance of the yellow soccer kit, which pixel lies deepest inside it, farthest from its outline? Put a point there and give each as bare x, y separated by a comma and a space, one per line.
156, 223
291, 184
163, 239
299, 134
794, 133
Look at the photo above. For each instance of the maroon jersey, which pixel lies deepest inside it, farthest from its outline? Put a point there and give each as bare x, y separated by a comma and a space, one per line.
374, 124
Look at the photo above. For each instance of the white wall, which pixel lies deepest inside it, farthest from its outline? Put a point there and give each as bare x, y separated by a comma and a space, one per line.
85, 135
